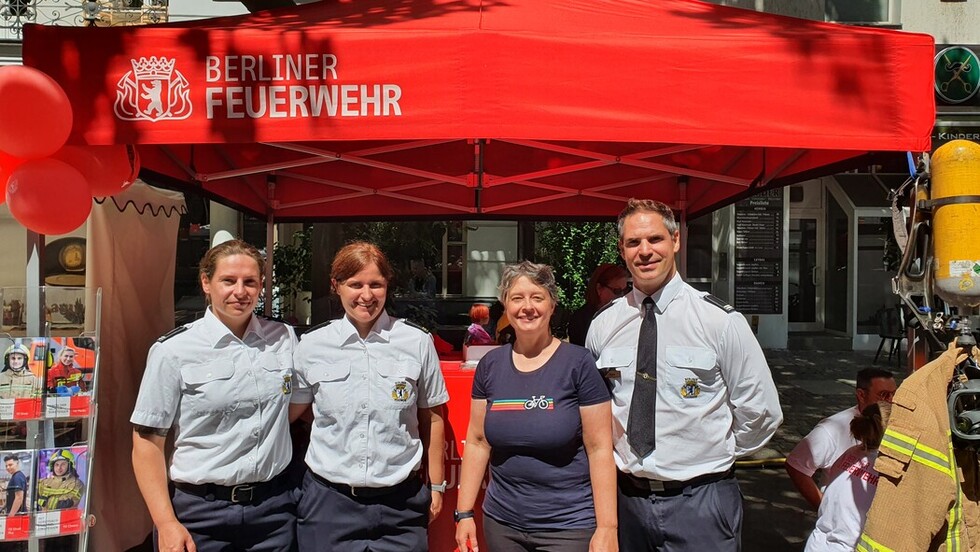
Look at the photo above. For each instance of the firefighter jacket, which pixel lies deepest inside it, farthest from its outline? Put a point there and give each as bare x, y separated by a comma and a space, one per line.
917, 506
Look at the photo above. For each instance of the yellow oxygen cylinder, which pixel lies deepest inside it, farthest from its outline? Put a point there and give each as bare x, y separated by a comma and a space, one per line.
955, 168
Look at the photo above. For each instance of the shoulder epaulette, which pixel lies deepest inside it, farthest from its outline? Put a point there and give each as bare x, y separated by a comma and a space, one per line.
721, 304
415, 325
602, 308
171, 333
317, 327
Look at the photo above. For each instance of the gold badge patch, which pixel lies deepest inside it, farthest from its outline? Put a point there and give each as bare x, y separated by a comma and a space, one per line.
400, 391
690, 389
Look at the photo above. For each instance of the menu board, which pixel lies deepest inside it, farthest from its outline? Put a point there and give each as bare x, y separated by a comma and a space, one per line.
759, 253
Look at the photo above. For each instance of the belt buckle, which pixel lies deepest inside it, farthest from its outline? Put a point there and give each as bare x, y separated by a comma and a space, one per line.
242, 493
656, 485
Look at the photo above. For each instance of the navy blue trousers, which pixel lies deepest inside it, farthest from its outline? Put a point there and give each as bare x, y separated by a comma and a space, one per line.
330, 519
223, 526
695, 519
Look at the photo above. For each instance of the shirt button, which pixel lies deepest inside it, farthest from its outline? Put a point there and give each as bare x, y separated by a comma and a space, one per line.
362, 436
209, 374
364, 405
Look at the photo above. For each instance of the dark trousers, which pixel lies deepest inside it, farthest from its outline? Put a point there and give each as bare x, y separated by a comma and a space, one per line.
692, 519
331, 519
501, 538
217, 525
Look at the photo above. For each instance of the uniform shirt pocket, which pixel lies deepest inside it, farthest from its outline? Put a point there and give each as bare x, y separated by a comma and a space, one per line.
208, 387
332, 383
692, 375
614, 362
399, 381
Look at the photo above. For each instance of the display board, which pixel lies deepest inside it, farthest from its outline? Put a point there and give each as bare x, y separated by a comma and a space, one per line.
47, 411
759, 253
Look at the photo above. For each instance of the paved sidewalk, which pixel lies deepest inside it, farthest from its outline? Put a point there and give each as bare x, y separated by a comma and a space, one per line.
812, 385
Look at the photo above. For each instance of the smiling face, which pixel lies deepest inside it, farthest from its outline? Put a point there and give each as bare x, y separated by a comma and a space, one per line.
363, 297
233, 289
12, 466
60, 467
648, 249
529, 307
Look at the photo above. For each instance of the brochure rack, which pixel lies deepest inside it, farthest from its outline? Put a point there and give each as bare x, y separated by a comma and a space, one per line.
49, 339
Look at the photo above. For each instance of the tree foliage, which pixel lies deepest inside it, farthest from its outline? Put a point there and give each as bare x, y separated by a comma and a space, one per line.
402, 242
574, 249
292, 269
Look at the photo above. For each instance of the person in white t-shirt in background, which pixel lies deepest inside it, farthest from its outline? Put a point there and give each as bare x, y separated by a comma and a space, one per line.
853, 482
832, 436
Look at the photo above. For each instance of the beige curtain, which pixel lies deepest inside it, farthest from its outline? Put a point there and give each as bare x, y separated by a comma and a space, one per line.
131, 254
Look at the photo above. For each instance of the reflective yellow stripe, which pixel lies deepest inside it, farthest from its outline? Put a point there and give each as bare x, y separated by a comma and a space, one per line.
867, 544
956, 512
919, 452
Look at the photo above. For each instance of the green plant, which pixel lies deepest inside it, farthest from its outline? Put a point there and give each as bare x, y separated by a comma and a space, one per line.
574, 249
292, 267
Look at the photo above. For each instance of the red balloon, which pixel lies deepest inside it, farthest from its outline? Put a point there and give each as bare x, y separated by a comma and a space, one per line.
108, 169
49, 196
7, 165
35, 114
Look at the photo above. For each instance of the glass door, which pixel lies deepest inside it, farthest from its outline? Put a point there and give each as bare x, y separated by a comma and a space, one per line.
807, 250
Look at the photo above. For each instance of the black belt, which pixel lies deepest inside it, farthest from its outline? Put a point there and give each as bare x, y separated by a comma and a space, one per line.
656, 486
368, 492
246, 493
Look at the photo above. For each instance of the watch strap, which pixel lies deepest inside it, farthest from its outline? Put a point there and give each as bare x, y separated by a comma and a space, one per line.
441, 487
465, 514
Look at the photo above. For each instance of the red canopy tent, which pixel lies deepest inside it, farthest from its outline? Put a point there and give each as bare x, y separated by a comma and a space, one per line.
491, 109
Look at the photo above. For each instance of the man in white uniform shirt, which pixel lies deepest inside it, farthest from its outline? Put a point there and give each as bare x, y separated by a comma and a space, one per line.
705, 397
832, 436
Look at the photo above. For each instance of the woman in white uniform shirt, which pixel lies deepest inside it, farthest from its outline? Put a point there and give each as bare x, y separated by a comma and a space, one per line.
377, 394
223, 384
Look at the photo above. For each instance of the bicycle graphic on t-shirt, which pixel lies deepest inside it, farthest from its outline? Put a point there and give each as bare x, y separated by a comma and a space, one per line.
538, 402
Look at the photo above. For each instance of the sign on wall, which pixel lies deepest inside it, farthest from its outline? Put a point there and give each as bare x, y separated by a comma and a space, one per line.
758, 254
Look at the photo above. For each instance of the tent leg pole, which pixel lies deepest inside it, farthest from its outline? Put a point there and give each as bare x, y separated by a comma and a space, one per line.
682, 207
270, 247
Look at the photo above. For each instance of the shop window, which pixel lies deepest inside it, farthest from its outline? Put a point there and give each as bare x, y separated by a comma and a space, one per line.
877, 263
867, 12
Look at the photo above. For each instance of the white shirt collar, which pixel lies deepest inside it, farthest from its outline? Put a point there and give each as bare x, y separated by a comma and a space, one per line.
662, 297
380, 331
218, 332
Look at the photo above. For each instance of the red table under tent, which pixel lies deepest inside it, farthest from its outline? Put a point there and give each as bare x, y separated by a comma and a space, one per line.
469, 109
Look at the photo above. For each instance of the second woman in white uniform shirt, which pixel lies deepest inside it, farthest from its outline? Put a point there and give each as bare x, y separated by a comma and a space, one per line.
377, 394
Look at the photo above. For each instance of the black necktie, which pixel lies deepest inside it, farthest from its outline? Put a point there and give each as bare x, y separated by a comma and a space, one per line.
643, 408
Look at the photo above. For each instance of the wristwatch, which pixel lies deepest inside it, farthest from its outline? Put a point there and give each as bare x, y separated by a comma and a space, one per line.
440, 488
465, 514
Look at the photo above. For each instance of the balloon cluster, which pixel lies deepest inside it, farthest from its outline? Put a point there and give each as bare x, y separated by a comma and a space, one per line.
49, 186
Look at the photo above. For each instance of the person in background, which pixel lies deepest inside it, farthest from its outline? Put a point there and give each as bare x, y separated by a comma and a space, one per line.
62, 489
16, 380
692, 391
64, 377
608, 281
377, 393
222, 383
476, 333
832, 436
16, 503
423, 280
853, 482
540, 418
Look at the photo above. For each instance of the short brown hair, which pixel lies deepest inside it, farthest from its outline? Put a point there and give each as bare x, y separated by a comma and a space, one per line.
647, 206
355, 257
209, 262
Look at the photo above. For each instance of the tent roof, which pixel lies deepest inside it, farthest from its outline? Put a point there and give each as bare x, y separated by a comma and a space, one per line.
494, 108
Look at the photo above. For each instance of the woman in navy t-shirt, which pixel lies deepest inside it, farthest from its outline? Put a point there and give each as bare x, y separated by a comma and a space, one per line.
540, 417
